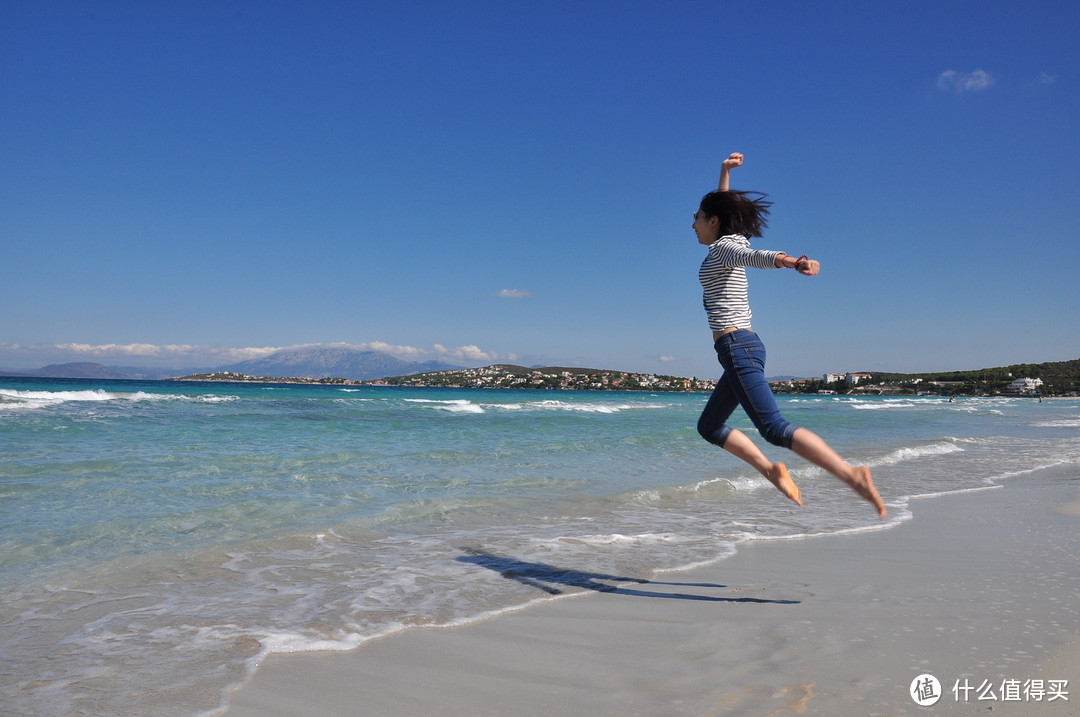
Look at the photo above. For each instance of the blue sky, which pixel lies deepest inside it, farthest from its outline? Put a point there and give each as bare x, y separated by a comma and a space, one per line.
187, 184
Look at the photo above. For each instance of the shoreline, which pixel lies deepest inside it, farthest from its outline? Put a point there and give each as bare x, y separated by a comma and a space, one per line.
977, 586
700, 386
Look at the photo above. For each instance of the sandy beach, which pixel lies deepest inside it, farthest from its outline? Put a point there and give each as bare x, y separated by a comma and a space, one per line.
978, 589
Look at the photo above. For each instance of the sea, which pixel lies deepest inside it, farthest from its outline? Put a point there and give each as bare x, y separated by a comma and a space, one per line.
159, 539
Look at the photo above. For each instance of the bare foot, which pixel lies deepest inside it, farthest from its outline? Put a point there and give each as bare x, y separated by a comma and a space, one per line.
779, 477
864, 486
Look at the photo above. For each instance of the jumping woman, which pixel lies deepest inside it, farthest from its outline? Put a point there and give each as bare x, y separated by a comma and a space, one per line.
725, 222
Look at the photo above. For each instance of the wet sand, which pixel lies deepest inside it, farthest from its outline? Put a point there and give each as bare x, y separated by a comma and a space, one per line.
979, 589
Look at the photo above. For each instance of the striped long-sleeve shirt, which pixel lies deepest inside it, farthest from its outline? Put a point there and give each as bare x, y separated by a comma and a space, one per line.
723, 278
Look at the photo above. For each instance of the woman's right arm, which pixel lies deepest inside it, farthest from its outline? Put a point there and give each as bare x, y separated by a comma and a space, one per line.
734, 160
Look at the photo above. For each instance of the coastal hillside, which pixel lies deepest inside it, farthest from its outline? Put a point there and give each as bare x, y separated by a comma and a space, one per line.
1058, 373
1055, 378
1058, 378
551, 377
497, 376
1050, 378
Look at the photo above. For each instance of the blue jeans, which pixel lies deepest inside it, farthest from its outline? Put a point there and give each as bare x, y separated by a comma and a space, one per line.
742, 355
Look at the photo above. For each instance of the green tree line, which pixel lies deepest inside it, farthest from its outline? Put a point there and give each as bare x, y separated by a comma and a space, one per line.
1058, 377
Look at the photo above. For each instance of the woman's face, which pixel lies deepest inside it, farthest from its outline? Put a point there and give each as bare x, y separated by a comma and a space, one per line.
706, 228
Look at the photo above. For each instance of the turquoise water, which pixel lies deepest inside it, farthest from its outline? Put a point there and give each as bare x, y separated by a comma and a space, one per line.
158, 539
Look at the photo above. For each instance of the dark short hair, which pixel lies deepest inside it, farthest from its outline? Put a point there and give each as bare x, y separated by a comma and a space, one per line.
743, 213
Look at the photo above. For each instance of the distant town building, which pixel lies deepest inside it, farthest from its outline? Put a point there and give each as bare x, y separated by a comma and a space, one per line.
849, 378
1025, 385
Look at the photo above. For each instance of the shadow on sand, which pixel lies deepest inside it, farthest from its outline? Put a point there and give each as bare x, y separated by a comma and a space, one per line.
547, 577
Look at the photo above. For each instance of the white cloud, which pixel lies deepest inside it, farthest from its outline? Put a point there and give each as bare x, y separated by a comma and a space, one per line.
667, 359
965, 82
14, 355
174, 352
514, 293
1045, 78
465, 353
470, 353
409, 352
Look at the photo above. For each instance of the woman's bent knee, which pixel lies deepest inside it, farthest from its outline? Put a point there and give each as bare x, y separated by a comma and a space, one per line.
778, 434
712, 434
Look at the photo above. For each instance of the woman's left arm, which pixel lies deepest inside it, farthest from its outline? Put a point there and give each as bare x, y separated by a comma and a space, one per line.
803, 265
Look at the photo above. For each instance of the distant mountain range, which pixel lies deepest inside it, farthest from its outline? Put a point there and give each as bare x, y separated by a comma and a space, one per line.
85, 369
307, 362
334, 362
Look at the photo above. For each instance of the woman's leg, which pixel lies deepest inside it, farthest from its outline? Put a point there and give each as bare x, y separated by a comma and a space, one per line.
713, 427
811, 447
743, 357
747, 364
740, 446
712, 424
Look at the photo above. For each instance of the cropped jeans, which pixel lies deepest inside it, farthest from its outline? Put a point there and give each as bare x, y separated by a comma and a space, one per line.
742, 355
